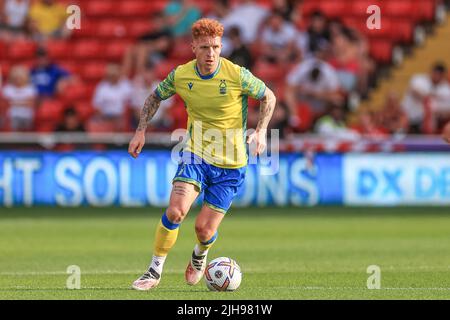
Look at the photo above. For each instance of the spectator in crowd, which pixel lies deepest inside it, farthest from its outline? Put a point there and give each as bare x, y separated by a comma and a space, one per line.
317, 35
151, 47
333, 125
314, 82
240, 54
344, 58
287, 9
220, 10
427, 96
20, 97
71, 122
13, 18
278, 40
392, 117
280, 120
143, 84
248, 17
111, 98
47, 20
180, 15
48, 77
367, 125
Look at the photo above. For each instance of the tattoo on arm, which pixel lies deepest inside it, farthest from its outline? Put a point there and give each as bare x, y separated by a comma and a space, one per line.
266, 108
151, 105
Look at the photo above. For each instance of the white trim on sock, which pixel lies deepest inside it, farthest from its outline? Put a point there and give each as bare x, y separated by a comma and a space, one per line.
199, 252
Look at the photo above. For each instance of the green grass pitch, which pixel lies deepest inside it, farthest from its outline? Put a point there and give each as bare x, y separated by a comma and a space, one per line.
284, 253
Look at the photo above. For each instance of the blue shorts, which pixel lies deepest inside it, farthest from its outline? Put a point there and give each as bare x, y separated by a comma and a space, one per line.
219, 184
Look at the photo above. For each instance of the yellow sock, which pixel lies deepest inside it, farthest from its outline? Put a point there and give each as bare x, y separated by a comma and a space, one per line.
165, 236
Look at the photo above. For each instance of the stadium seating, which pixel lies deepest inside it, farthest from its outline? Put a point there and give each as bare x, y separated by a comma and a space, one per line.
21, 50
109, 27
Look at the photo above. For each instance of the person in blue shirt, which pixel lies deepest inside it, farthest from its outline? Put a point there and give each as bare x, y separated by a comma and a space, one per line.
48, 78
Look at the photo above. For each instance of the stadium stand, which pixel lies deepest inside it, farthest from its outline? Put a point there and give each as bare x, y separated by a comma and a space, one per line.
109, 28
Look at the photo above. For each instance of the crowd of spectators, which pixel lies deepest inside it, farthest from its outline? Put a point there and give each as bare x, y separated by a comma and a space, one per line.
322, 62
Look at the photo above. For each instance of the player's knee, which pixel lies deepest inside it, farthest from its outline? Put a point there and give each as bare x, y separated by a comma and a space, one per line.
176, 214
204, 233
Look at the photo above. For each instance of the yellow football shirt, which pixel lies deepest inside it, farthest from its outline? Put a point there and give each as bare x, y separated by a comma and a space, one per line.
48, 18
216, 105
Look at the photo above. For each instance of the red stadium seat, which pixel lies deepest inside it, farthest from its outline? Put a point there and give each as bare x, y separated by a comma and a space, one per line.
333, 8
45, 126
84, 110
2, 50
99, 126
399, 8
426, 9
381, 50
268, 72
402, 31
114, 51
50, 110
58, 49
206, 6
88, 29
98, 8
308, 7
359, 7
134, 8
22, 50
164, 68
111, 29
306, 116
138, 28
75, 92
71, 66
182, 50
93, 71
87, 49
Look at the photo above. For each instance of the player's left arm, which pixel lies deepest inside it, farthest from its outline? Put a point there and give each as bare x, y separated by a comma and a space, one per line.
267, 105
255, 88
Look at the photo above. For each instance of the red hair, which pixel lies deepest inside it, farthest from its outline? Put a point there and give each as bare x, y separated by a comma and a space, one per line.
207, 27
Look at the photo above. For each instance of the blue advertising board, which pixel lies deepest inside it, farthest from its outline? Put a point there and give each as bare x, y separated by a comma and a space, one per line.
114, 178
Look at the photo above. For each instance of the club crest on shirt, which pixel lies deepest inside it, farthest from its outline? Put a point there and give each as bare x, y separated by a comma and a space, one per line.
190, 85
223, 87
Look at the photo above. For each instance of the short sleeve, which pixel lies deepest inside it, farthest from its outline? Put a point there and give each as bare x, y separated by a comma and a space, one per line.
166, 88
251, 85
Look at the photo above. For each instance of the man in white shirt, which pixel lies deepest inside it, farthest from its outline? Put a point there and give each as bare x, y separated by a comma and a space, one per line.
278, 40
20, 97
314, 82
433, 88
112, 96
248, 17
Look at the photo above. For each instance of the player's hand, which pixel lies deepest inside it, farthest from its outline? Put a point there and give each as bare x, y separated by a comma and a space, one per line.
136, 144
259, 137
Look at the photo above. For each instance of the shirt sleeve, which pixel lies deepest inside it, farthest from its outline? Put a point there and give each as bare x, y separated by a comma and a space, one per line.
251, 85
166, 88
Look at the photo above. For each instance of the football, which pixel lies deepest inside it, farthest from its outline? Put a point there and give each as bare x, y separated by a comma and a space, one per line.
223, 274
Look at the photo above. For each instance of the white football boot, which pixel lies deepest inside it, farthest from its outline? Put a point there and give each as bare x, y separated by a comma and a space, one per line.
147, 281
195, 269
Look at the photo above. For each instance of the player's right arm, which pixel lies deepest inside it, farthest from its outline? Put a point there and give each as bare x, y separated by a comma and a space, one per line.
165, 90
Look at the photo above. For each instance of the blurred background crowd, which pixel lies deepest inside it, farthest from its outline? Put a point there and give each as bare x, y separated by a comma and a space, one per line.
317, 56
